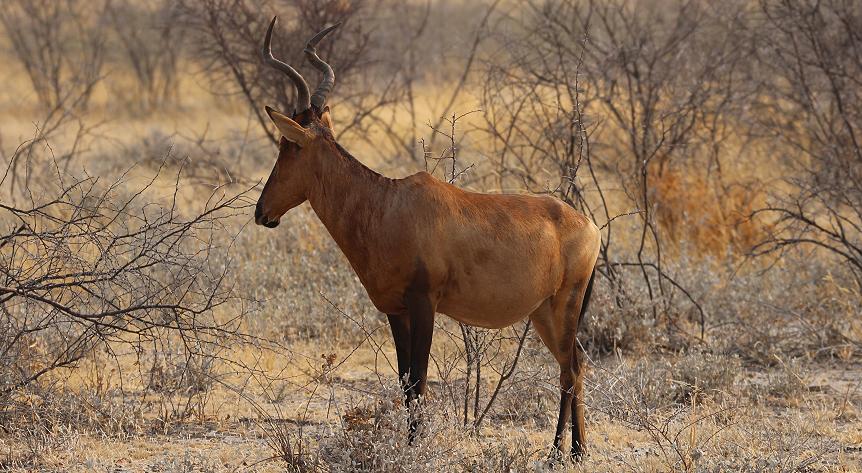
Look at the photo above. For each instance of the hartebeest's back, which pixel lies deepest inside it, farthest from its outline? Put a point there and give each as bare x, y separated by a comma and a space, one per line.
502, 255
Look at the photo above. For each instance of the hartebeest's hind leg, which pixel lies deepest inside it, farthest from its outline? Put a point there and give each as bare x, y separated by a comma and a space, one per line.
578, 432
556, 321
579, 358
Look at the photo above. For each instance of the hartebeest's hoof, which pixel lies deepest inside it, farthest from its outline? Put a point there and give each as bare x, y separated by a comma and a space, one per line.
412, 432
555, 457
578, 455
578, 452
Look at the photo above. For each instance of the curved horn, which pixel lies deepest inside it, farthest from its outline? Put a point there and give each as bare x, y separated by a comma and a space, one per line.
302, 98
318, 98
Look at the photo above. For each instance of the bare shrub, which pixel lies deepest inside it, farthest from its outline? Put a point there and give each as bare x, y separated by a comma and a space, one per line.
87, 267
60, 44
667, 80
188, 462
811, 54
35, 442
561, 71
26, 163
704, 374
291, 447
205, 161
372, 436
649, 384
705, 217
530, 400
620, 318
514, 455
229, 35
786, 384
782, 444
645, 396
182, 375
152, 45
51, 408
479, 367
801, 310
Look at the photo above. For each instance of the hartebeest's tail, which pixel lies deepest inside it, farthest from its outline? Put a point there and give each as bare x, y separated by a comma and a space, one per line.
586, 302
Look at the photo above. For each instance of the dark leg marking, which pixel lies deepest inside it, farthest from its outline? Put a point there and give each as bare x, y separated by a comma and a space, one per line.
400, 325
421, 314
566, 394
578, 431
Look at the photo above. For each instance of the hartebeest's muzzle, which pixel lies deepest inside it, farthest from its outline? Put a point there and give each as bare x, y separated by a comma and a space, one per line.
261, 219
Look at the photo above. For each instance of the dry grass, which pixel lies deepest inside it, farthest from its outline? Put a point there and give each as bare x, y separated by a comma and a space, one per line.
772, 391
746, 404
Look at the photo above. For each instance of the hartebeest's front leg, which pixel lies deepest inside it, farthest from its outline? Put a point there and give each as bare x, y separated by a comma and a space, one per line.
400, 325
420, 312
421, 331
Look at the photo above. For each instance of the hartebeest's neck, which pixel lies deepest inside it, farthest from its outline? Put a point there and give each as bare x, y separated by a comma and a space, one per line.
350, 200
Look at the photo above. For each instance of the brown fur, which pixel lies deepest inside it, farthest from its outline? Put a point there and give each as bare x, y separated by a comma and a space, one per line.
421, 246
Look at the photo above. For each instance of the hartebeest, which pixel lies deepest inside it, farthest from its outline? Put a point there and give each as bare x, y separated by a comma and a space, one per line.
421, 246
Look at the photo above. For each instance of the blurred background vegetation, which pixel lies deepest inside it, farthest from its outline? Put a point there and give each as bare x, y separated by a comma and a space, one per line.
718, 146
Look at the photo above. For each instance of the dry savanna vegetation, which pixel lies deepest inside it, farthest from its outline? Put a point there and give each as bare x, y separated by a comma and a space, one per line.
146, 323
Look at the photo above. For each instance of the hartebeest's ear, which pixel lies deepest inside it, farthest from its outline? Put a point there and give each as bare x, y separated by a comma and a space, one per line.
326, 119
289, 129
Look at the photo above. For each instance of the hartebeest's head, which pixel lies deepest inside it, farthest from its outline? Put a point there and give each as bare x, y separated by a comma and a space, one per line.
301, 135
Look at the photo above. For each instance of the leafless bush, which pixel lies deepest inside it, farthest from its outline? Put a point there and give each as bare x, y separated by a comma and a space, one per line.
151, 43
479, 367
786, 445
229, 35
60, 44
372, 436
568, 63
812, 56
291, 447
515, 455
808, 312
182, 373
704, 374
588, 96
620, 318
25, 163
786, 384
87, 265
531, 398
203, 159
54, 409
648, 398
660, 383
